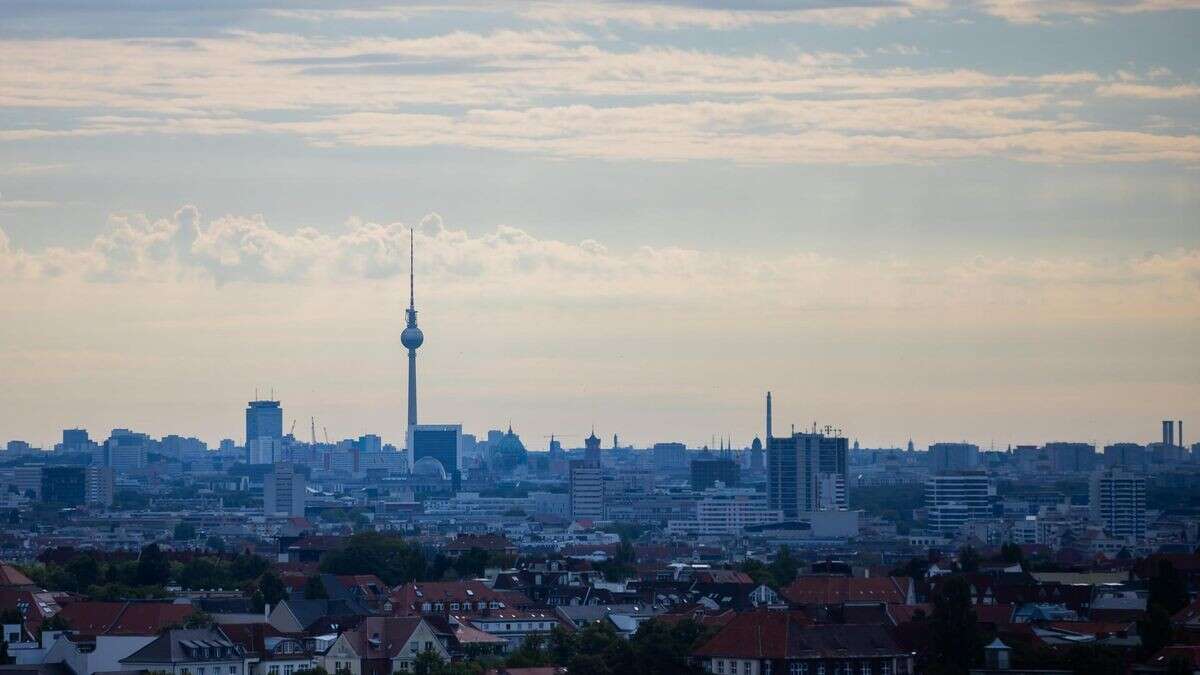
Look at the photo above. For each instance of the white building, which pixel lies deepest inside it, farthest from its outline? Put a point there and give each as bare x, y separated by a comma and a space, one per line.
726, 511
955, 499
587, 490
284, 491
1117, 501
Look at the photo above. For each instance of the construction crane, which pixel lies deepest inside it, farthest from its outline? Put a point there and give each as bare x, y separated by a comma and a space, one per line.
312, 430
292, 431
326, 435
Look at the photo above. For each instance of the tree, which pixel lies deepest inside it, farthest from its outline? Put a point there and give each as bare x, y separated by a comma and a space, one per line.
428, 662
204, 573
956, 642
272, 589
1167, 588
968, 560
784, 567
153, 568
247, 567
198, 620
5, 659
1012, 553
664, 649
84, 571
390, 557
314, 589
185, 532
215, 543
1155, 630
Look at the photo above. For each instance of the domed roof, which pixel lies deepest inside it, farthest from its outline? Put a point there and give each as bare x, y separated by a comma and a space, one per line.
508, 452
428, 467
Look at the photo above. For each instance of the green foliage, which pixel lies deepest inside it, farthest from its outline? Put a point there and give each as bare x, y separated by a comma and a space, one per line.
1011, 553
394, 560
247, 566
1167, 588
893, 502
314, 589
153, 568
622, 565
185, 532
784, 567
319, 670
968, 560
85, 572
656, 649
957, 643
1155, 630
205, 573
215, 543
198, 620
271, 588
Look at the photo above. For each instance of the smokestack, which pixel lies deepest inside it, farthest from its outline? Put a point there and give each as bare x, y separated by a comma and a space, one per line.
1168, 433
768, 438
1180, 423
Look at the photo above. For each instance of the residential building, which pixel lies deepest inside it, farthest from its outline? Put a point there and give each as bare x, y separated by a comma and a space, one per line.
953, 457
284, 491
1117, 501
957, 498
586, 490
201, 651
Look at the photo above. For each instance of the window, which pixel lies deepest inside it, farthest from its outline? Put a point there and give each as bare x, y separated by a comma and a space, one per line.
866, 668
425, 606
232, 670
820, 669
404, 666
428, 646
454, 606
508, 626
720, 665
200, 670
438, 606
287, 670
886, 669
274, 670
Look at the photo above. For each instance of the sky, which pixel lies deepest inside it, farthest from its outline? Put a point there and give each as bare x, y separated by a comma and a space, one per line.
919, 219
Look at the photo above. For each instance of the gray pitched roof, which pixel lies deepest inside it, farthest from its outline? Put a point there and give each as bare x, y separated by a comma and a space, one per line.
185, 645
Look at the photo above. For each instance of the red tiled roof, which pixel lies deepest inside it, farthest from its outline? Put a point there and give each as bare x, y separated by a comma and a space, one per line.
834, 590
722, 577
11, 576
791, 635
124, 618
999, 615
410, 597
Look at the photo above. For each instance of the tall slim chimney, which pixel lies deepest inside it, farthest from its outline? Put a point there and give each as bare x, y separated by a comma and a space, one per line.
1180, 424
768, 438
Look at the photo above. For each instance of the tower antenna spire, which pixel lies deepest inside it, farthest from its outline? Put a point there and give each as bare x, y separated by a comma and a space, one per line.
411, 297
411, 338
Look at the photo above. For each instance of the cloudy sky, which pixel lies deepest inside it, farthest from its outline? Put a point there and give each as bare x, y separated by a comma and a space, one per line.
909, 218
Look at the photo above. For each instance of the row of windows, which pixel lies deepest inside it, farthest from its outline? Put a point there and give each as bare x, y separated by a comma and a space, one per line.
532, 625
746, 667
454, 606
216, 670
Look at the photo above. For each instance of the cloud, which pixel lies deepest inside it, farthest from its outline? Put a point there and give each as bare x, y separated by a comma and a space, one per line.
1149, 91
1042, 11
509, 262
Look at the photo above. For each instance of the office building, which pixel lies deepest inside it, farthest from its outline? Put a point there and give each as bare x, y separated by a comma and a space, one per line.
708, 471
64, 485
667, 456
1127, 456
264, 419
586, 490
799, 467
284, 491
438, 442
264, 450
725, 511
1117, 501
99, 486
76, 440
955, 499
1072, 457
126, 450
953, 457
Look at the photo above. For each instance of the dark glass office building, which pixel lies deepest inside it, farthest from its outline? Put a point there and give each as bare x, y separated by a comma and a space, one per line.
707, 472
264, 419
440, 442
65, 485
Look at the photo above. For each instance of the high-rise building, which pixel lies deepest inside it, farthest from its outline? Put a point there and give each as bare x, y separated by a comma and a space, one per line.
64, 485
802, 469
586, 490
264, 419
954, 499
126, 450
437, 442
284, 491
668, 456
1117, 501
75, 440
1072, 457
707, 472
591, 448
99, 486
1127, 456
412, 338
953, 457
1168, 427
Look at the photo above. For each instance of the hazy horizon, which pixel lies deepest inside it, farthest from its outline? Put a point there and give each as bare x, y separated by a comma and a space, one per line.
917, 219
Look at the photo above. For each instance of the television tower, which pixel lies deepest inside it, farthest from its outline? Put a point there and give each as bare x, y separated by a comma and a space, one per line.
411, 338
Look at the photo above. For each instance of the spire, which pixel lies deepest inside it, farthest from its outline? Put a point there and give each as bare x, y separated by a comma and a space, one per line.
411, 297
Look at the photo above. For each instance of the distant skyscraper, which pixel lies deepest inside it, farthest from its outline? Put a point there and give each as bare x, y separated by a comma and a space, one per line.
75, 439
1117, 500
708, 472
439, 442
953, 457
126, 450
284, 491
1072, 457
264, 419
411, 338
805, 473
586, 490
100, 486
64, 485
1127, 456
1168, 427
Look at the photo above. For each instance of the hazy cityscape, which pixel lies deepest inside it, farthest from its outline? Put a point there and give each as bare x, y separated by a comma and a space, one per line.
599, 337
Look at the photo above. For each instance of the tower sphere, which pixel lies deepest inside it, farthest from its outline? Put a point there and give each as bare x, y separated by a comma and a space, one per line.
412, 337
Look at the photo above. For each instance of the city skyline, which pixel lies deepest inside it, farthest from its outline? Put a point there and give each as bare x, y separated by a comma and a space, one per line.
934, 220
